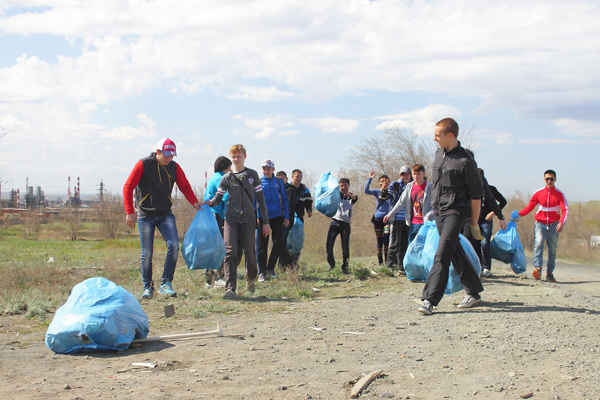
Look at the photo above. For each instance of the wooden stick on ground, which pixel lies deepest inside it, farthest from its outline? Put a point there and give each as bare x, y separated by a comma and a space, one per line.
218, 331
363, 383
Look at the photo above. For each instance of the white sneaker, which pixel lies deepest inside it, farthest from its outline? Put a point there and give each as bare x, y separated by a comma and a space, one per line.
486, 272
220, 283
469, 301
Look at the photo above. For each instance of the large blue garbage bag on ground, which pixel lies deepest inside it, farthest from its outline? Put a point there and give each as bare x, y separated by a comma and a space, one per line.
327, 195
421, 252
506, 246
98, 316
203, 246
295, 239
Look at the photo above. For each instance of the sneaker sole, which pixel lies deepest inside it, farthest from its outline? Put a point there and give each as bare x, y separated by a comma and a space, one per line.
536, 274
425, 311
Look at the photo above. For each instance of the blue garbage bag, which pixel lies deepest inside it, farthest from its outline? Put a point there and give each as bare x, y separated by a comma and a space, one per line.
506, 247
295, 239
203, 246
327, 195
98, 316
421, 252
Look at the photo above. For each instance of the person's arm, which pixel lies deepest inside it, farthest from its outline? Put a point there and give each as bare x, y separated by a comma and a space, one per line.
308, 202
490, 200
186, 189
221, 191
397, 208
564, 211
532, 203
130, 184
260, 199
285, 203
499, 198
368, 190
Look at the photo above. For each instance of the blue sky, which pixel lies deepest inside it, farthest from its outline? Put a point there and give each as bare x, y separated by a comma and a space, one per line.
88, 88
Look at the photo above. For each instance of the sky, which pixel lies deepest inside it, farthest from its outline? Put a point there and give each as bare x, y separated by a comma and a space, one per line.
87, 88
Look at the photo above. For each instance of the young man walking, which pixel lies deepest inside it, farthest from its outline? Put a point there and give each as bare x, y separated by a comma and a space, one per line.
340, 225
153, 178
243, 186
550, 218
455, 197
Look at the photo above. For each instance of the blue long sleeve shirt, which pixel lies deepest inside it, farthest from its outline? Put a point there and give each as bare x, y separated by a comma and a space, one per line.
211, 189
275, 197
383, 207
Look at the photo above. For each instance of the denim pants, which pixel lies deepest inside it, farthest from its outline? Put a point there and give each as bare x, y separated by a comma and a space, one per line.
168, 229
486, 250
414, 231
450, 250
545, 233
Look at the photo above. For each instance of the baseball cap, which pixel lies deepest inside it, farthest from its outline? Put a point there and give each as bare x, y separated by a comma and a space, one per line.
268, 163
167, 146
405, 169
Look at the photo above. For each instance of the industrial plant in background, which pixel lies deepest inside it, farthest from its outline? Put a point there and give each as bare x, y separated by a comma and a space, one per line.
34, 198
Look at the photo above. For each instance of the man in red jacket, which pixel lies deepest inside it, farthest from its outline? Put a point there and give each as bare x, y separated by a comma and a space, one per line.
153, 178
550, 217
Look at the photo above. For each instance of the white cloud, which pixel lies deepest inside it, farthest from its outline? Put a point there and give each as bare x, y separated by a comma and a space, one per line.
318, 49
575, 127
421, 121
261, 94
332, 124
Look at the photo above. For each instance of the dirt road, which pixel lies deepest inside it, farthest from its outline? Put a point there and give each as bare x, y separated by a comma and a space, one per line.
528, 338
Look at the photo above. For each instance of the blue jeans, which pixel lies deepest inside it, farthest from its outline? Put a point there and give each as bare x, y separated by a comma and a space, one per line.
486, 256
545, 233
414, 231
168, 229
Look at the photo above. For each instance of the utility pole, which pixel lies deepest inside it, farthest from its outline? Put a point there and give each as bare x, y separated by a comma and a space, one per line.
101, 191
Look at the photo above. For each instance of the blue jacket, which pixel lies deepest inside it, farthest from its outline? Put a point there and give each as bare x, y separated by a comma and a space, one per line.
382, 207
275, 197
211, 190
399, 187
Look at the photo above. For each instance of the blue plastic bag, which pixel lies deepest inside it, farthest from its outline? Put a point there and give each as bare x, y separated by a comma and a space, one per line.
295, 239
506, 246
327, 195
98, 316
203, 246
421, 252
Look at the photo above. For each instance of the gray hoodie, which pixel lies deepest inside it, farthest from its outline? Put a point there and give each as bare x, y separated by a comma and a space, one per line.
240, 207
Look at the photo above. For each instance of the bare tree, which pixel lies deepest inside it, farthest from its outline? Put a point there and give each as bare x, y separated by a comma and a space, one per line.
109, 212
72, 217
388, 150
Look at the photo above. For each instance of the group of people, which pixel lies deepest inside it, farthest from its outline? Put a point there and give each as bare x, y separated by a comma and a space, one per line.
249, 210
458, 198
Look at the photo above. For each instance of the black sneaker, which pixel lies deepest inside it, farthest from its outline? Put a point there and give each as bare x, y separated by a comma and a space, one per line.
550, 277
345, 271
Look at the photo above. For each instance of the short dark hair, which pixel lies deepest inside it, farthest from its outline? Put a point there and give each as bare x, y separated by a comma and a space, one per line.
383, 176
295, 171
448, 125
550, 172
344, 180
222, 163
281, 173
418, 167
